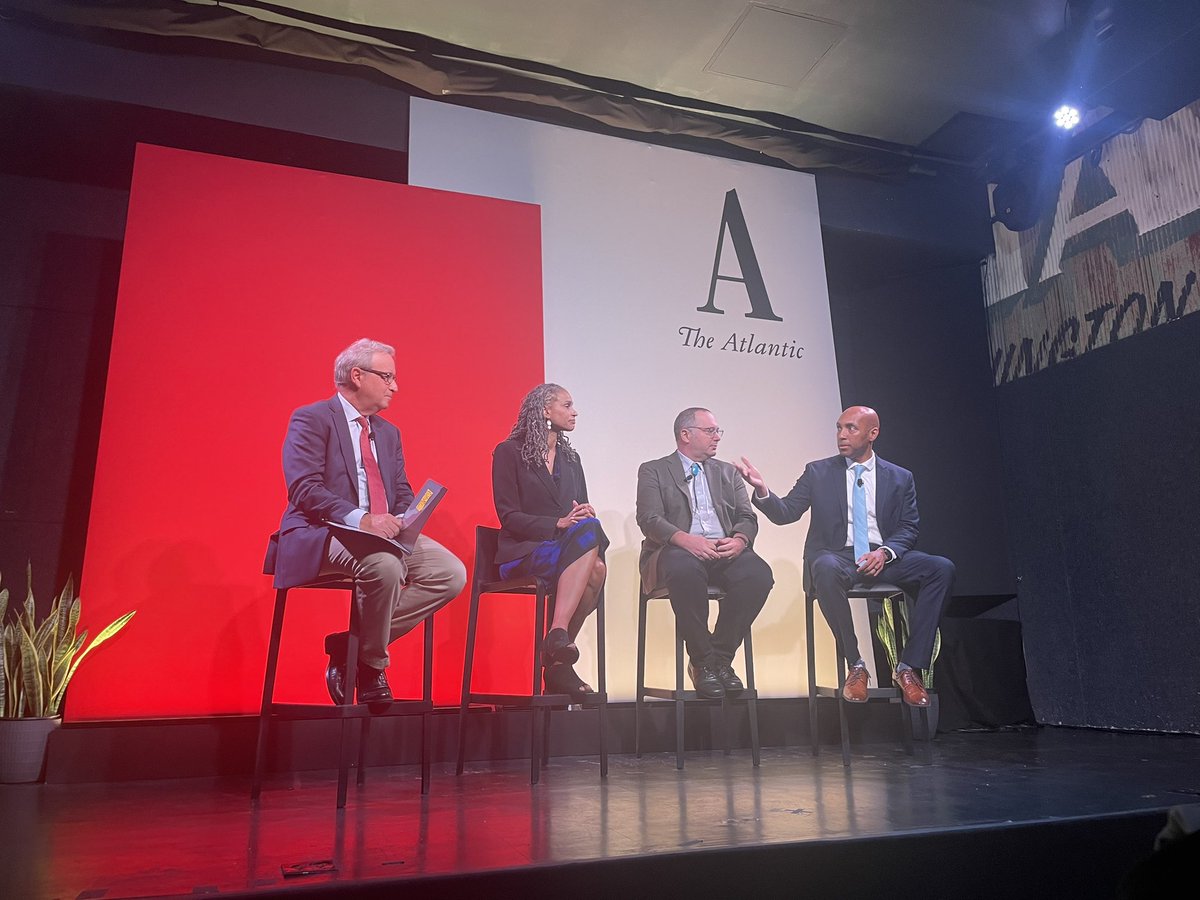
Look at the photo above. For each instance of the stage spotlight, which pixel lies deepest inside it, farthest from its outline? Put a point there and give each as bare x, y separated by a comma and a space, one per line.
1066, 117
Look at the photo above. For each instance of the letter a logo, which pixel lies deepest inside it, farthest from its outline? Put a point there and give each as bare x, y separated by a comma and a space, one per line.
760, 304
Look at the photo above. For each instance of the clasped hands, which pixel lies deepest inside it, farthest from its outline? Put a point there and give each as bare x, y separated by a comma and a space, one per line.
710, 548
579, 512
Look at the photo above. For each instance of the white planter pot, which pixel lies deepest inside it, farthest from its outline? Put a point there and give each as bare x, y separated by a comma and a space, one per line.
23, 748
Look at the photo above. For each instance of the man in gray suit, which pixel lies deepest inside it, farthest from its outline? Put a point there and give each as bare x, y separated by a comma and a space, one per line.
699, 528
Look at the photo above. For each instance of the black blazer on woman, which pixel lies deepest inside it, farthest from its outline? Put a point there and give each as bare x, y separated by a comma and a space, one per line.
528, 501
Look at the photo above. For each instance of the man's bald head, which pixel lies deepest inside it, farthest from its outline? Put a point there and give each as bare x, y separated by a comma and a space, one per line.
857, 429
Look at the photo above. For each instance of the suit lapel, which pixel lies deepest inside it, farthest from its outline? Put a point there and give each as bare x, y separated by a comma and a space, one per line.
716, 492
885, 491
385, 455
838, 467
547, 480
676, 469
342, 429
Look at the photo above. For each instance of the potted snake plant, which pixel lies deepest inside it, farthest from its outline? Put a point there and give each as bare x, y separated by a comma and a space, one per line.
39, 658
893, 620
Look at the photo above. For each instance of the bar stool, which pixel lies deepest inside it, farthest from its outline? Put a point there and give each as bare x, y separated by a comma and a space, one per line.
347, 711
487, 580
679, 695
875, 593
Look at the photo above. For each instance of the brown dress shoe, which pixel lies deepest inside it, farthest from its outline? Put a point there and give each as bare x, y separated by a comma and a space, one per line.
910, 686
855, 688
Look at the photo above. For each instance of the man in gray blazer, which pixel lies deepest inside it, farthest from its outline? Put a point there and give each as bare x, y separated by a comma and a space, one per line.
699, 528
344, 463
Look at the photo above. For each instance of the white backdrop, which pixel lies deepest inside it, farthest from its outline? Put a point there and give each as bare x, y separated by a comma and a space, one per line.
629, 237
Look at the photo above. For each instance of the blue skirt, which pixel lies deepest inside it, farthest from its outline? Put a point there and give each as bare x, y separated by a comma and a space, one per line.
550, 558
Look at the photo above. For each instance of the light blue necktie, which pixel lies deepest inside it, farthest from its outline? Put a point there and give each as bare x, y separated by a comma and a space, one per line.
861, 545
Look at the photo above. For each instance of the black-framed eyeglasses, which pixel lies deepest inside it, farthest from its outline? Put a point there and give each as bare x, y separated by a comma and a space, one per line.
711, 430
388, 377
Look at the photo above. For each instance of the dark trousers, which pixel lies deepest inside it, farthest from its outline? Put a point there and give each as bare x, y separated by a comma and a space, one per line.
746, 581
927, 579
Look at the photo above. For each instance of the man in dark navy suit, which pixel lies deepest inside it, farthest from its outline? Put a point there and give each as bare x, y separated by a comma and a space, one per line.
344, 463
843, 548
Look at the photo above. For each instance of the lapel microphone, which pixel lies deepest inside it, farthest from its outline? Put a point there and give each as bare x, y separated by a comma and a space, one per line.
860, 484
692, 474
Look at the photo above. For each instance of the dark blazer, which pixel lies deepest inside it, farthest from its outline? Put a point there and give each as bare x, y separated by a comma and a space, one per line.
322, 486
528, 501
822, 488
664, 506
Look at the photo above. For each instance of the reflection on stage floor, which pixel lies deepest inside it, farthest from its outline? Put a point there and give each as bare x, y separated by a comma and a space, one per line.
164, 838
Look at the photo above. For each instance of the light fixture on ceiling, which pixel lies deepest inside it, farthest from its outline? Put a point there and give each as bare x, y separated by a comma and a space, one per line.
1067, 117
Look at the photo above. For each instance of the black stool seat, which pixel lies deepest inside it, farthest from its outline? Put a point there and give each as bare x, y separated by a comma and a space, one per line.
347, 711
875, 593
679, 694
486, 580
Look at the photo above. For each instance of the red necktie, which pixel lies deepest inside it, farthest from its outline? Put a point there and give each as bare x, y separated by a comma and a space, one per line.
375, 491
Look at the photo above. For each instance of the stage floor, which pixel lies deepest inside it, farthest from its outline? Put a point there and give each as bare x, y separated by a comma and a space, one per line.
177, 837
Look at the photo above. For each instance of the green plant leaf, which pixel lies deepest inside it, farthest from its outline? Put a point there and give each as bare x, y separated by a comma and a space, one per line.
937, 648
31, 677
885, 630
60, 674
108, 631
40, 658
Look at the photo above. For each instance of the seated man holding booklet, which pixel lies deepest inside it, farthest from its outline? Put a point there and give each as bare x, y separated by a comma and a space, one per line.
347, 489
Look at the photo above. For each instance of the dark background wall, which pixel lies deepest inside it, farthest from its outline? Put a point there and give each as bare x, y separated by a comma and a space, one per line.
1100, 464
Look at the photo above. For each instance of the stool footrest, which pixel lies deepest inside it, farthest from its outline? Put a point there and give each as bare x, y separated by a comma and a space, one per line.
521, 700
651, 693
316, 711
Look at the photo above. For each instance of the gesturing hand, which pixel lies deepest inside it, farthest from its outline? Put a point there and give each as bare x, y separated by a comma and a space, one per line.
752, 476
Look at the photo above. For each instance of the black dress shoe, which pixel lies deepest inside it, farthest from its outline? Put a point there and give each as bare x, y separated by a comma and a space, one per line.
706, 682
729, 679
335, 671
373, 686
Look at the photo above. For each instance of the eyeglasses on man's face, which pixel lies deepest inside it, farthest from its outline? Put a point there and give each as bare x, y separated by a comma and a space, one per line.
711, 431
388, 377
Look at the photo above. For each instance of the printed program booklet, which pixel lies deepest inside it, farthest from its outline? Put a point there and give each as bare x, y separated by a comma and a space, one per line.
413, 520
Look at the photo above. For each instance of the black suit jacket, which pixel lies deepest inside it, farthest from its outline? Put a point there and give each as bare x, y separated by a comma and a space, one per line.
322, 486
528, 502
822, 488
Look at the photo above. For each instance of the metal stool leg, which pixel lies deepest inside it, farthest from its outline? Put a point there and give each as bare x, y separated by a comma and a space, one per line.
468, 665
679, 654
752, 702
812, 674
639, 700
264, 715
601, 677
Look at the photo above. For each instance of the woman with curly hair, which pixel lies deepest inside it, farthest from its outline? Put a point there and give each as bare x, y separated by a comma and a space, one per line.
547, 527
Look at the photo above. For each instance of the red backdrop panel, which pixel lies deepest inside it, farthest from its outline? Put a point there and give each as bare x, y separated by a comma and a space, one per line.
240, 282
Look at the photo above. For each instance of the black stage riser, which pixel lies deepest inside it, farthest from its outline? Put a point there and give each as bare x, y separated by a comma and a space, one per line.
1064, 858
153, 749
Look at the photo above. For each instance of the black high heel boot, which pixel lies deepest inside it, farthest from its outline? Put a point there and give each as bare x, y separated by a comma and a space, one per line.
557, 648
560, 678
